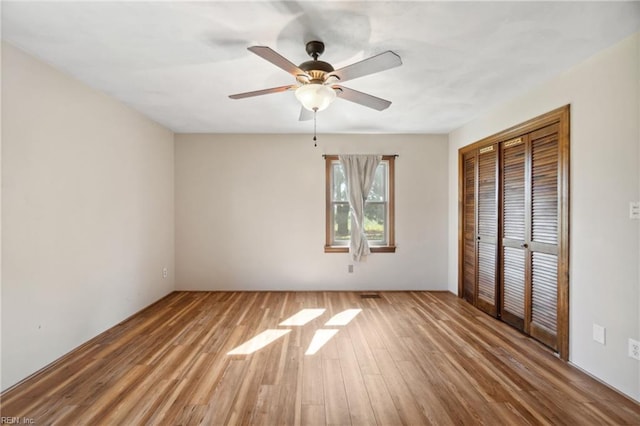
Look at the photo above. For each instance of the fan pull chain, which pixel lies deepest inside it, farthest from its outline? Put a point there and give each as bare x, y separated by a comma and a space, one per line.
315, 112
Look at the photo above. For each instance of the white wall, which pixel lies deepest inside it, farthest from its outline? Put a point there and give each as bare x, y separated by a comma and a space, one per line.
87, 213
604, 93
250, 214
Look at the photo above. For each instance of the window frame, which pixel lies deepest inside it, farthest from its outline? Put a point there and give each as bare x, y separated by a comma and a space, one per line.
390, 246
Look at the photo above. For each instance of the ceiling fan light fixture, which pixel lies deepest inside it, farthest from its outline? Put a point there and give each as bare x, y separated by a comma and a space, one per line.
315, 97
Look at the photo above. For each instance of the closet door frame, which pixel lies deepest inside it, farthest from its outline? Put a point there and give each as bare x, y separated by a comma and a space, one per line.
561, 117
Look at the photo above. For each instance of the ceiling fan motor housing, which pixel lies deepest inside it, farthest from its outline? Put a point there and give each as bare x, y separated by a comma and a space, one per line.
316, 70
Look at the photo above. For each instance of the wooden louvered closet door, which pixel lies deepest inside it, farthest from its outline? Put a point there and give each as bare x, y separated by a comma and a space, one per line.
543, 243
512, 288
480, 227
514, 245
487, 232
529, 265
469, 226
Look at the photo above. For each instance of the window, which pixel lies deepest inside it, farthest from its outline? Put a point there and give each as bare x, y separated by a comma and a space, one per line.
378, 211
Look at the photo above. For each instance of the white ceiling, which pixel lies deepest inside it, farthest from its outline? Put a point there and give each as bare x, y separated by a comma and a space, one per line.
177, 62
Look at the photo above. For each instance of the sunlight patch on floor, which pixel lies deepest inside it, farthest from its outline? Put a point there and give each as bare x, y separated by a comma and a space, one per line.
320, 338
302, 317
343, 318
258, 342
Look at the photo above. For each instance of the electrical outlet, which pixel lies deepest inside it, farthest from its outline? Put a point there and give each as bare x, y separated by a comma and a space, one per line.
350, 269
165, 272
634, 349
634, 210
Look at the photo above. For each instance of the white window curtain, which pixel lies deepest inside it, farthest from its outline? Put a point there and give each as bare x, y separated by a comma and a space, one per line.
359, 171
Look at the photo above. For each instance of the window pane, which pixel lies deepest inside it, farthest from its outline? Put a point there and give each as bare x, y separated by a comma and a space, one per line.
341, 222
339, 186
379, 189
374, 220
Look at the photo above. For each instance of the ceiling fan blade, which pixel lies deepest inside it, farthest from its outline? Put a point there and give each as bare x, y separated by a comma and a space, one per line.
361, 98
262, 92
305, 114
277, 59
380, 62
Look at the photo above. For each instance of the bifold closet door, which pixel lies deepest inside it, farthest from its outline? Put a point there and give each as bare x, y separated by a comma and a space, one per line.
543, 244
530, 205
480, 228
512, 288
469, 226
487, 229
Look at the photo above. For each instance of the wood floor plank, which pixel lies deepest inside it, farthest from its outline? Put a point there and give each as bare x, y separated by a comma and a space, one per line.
405, 402
265, 408
288, 402
506, 414
360, 409
425, 395
221, 399
385, 411
312, 381
107, 407
362, 350
249, 389
165, 407
335, 398
313, 415
145, 406
407, 358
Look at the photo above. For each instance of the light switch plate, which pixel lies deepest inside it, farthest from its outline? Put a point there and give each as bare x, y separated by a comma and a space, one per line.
599, 333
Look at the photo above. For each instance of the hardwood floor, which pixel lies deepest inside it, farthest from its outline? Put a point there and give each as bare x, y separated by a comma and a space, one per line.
413, 358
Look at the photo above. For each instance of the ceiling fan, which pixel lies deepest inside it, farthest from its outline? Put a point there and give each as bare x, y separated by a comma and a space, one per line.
317, 81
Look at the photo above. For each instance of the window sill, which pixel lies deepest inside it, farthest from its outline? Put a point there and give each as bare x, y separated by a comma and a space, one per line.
375, 249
